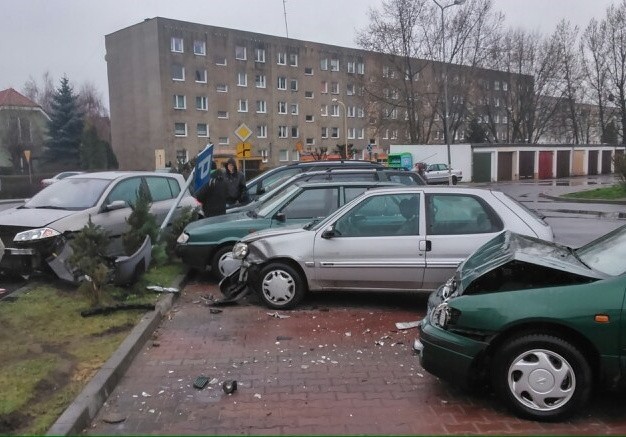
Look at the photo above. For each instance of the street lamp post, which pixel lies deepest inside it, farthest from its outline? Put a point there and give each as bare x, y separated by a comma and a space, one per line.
345, 124
446, 130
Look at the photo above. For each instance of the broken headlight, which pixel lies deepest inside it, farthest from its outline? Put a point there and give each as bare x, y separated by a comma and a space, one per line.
448, 288
36, 234
240, 250
443, 316
182, 238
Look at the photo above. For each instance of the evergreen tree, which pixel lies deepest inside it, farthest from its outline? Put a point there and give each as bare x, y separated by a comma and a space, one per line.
609, 136
95, 154
65, 127
476, 133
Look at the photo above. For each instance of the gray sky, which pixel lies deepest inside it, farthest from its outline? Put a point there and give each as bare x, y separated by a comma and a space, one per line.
67, 36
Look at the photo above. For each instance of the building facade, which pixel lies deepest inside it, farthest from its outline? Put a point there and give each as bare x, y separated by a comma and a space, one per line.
175, 86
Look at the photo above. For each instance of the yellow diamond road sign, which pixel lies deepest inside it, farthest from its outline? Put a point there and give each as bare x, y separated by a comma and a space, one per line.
243, 132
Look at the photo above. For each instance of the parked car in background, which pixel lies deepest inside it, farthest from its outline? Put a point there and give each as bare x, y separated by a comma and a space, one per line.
541, 322
392, 239
37, 233
259, 185
45, 182
209, 242
439, 174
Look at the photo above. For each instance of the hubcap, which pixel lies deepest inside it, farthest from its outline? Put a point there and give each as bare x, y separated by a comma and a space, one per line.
227, 264
278, 287
541, 380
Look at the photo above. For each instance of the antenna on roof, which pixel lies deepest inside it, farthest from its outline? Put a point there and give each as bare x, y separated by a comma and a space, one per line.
285, 11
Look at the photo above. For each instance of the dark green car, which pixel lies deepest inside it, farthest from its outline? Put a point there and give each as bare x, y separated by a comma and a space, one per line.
209, 242
540, 322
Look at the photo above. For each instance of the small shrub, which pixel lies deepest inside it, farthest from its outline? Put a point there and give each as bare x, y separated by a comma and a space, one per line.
187, 215
620, 168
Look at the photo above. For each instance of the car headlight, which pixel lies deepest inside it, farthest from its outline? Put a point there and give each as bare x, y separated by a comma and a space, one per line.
182, 238
36, 234
448, 288
240, 250
443, 316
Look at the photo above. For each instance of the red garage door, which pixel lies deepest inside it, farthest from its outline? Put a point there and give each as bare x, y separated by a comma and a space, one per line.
545, 165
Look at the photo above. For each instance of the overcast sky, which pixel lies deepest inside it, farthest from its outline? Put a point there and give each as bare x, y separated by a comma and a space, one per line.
66, 37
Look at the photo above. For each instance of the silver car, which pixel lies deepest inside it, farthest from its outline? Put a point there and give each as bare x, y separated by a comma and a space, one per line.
392, 239
36, 233
440, 174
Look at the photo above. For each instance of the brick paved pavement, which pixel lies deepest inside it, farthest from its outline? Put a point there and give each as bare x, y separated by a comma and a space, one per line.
331, 367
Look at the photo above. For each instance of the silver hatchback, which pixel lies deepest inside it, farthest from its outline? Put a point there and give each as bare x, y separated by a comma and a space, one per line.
392, 239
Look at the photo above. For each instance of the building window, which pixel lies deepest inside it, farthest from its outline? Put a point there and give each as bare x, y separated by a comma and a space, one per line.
259, 55
180, 129
260, 81
308, 94
222, 114
201, 76
324, 110
199, 48
261, 131
182, 155
385, 71
505, 119
334, 65
293, 84
351, 67
221, 88
505, 86
334, 132
360, 68
202, 129
496, 85
496, 102
202, 103
394, 134
265, 156
180, 102
293, 59
334, 110
324, 132
310, 141
309, 118
261, 106
177, 44
334, 87
178, 72
242, 79
308, 71
240, 53
282, 107
293, 108
360, 133
282, 131
223, 141
243, 105
351, 111
281, 58
220, 60
350, 89
324, 87
281, 83
360, 112
283, 155
496, 119
351, 133
324, 64
295, 133
295, 155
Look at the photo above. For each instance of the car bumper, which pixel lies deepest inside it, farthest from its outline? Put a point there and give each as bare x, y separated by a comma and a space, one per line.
447, 355
196, 256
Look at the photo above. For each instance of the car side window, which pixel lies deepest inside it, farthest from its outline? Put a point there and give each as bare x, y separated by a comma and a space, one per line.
454, 214
126, 190
280, 175
312, 203
382, 215
159, 188
353, 192
404, 179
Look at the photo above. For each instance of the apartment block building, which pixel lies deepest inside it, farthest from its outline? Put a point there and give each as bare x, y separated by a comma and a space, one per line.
175, 86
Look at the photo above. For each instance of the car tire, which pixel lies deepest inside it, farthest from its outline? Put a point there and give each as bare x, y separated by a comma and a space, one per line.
217, 267
454, 180
542, 377
280, 286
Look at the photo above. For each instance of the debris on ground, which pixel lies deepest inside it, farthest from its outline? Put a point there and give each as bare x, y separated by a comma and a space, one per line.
215, 311
283, 337
408, 325
278, 316
145, 395
114, 418
200, 382
229, 386
160, 289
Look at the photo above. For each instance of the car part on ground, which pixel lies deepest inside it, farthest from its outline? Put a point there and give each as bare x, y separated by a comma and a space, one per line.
539, 321
391, 239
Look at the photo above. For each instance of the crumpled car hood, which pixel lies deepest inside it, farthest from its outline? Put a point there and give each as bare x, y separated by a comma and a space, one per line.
508, 246
32, 217
273, 232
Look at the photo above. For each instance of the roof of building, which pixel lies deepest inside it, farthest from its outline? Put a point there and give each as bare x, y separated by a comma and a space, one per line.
10, 97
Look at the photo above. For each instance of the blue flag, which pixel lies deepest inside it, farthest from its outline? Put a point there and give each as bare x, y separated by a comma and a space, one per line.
203, 167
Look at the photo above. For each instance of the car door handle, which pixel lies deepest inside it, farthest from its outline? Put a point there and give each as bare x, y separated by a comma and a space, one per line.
425, 245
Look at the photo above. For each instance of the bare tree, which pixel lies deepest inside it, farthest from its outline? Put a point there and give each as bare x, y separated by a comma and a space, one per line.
41, 93
616, 58
90, 100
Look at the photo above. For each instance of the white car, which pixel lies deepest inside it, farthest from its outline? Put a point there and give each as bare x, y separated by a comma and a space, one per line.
46, 182
388, 239
439, 174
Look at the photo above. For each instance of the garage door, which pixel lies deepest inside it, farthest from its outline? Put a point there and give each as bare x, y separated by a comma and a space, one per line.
481, 167
606, 161
526, 165
545, 165
505, 166
578, 163
562, 163
592, 164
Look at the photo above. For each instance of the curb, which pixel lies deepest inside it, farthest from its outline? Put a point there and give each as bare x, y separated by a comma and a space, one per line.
578, 200
84, 408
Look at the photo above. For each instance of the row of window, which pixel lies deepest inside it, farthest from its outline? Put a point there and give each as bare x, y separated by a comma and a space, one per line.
177, 45
202, 130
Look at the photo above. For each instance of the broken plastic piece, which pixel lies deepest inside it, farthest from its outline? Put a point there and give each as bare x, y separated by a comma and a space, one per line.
408, 325
278, 316
160, 289
201, 382
229, 386
214, 311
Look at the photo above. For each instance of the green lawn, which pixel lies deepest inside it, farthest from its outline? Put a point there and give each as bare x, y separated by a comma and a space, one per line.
616, 192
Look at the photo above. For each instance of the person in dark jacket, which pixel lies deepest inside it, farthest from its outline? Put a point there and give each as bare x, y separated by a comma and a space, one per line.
212, 195
235, 184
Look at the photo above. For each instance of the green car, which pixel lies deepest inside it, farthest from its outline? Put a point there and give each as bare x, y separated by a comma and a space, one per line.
209, 242
540, 322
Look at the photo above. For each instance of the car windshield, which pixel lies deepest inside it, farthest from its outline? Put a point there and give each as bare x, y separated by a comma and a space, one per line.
607, 253
71, 193
271, 204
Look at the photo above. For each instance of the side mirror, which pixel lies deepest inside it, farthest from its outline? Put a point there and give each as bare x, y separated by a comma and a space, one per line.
329, 233
116, 204
280, 216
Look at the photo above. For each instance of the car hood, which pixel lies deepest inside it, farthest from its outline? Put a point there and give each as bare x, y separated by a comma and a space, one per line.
220, 219
273, 232
32, 217
508, 246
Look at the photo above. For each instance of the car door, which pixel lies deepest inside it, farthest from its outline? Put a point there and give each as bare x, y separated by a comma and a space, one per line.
370, 248
163, 192
308, 204
456, 225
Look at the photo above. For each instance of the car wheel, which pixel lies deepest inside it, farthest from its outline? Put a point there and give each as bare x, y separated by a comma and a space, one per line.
454, 180
542, 377
221, 262
280, 286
